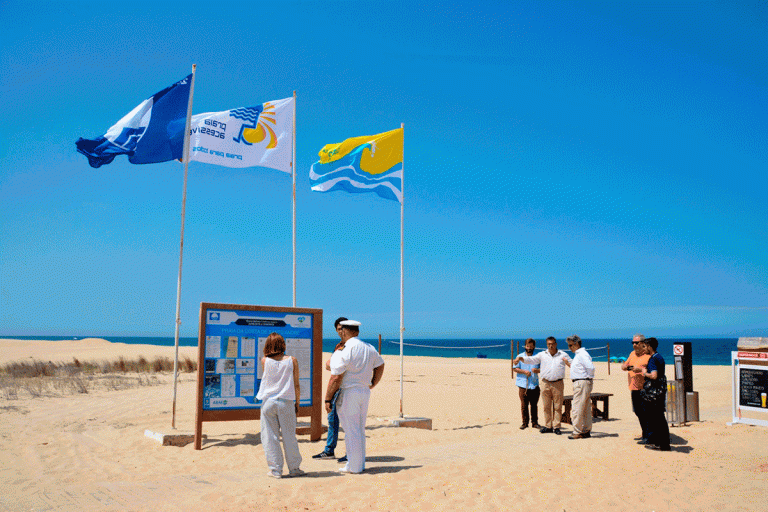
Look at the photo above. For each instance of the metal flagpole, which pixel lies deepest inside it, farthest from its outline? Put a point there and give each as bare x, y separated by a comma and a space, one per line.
293, 172
181, 248
402, 199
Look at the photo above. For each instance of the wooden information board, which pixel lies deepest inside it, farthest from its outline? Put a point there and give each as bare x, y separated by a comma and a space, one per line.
231, 340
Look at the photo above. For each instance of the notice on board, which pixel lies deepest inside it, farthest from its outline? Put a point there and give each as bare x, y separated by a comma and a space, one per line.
234, 347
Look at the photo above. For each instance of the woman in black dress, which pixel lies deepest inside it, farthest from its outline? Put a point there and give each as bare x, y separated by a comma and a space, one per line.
658, 430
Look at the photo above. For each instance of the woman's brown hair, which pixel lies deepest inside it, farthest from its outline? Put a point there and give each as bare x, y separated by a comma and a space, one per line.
274, 346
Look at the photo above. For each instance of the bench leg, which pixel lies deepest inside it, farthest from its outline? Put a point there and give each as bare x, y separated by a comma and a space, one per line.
566, 418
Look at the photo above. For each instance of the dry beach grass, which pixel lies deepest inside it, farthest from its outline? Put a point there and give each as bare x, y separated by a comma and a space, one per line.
34, 378
87, 451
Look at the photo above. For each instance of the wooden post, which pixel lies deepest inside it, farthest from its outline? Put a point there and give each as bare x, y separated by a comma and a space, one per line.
512, 350
379, 344
608, 346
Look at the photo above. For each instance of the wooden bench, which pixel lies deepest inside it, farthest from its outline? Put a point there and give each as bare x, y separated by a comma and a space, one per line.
596, 413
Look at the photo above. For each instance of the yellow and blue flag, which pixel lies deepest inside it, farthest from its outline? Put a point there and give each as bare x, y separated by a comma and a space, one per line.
372, 163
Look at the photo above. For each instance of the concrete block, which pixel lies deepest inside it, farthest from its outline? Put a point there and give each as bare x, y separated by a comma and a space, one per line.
175, 439
423, 423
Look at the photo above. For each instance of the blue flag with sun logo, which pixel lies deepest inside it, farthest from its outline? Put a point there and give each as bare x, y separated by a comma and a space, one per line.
152, 132
260, 136
372, 163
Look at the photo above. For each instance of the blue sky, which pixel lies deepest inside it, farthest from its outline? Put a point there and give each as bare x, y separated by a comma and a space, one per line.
598, 168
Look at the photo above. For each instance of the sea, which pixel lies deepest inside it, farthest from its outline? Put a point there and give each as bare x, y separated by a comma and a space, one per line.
704, 351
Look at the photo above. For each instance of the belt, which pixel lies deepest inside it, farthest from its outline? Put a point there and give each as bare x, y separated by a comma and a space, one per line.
574, 380
545, 380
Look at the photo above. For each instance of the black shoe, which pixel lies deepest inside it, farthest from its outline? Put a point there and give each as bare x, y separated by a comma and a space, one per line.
535, 425
545, 430
343, 459
324, 455
523, 426
557, 431
643, 441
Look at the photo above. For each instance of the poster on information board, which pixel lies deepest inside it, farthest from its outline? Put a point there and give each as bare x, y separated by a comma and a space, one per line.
230, 348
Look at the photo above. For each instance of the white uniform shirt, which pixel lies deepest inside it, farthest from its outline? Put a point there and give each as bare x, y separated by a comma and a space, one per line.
582, 367
552, 366
356, 361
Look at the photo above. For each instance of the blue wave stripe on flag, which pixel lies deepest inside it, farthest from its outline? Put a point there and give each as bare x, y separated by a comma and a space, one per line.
345, 174
250, 114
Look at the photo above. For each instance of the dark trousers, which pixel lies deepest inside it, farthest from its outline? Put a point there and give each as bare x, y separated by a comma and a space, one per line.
529, 398
658, 430
639, 408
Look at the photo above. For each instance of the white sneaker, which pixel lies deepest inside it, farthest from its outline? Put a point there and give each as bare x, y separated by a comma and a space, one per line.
347, 471
296, 472
274, 474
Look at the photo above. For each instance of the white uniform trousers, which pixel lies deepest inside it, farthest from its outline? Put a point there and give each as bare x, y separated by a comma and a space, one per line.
352, 414
278, 416
581, 414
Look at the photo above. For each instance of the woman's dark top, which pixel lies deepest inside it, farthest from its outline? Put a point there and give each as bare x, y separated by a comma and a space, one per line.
656, 362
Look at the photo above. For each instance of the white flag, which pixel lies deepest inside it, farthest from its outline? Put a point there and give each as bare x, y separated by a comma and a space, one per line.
245, 137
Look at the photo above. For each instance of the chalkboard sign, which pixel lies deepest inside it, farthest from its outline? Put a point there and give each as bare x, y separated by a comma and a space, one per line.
753, 387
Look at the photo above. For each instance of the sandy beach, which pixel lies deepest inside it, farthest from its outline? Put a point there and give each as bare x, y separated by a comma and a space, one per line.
88, 452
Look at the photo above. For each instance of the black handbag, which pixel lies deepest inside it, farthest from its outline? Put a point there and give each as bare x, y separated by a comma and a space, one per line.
654, 389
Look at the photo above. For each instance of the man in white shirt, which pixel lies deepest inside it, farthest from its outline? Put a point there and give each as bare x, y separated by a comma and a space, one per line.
356, 369
553, 362
582, 373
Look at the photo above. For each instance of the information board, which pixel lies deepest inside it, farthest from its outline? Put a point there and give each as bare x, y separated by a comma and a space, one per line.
230, 348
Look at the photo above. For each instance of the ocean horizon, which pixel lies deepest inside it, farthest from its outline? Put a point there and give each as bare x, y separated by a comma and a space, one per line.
704, 351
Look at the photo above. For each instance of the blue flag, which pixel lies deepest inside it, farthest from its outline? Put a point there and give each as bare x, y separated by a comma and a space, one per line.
152, 132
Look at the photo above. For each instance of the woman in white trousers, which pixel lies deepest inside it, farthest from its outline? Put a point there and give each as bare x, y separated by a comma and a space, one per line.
279, 392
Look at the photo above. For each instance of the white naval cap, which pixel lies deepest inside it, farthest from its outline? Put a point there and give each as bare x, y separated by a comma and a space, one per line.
350, 323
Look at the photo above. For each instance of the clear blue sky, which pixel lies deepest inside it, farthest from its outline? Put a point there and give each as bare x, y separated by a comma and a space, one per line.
598, 168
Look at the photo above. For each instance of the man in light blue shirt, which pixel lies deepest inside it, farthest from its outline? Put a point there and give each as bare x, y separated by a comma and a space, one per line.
527, 381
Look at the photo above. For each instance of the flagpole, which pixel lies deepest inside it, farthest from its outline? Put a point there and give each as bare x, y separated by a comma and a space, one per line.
402, 199
293, 172
181, 248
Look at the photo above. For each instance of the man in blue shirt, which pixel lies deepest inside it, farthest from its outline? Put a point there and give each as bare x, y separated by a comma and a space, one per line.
527, 381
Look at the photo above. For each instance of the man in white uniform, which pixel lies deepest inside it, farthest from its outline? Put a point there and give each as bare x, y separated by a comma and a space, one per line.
582, 373
356, 369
